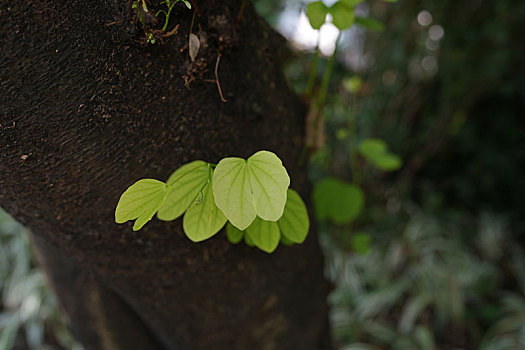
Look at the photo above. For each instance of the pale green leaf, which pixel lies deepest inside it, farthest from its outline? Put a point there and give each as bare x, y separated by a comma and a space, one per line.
245, 189
316, 12
186, 183
264, 234
337, 201
342, 15
231, 189
140, 201
233, 233
352, 84
203, 219
268, 182
372, 148
376, 152
294, 223
388, 162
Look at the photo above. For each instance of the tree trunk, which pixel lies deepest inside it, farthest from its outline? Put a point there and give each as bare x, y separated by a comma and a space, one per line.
88, 108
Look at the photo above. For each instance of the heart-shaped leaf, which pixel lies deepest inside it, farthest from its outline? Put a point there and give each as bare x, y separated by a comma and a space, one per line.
231, 189
342, 15
245, 189
376, 152
294, 223
140, 201
265, 235
337, 201
186, 183
233, 233
203, 219
268, 182
316, 12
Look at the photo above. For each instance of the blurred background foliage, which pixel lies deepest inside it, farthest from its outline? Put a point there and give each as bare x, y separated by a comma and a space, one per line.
431, 254
29, 314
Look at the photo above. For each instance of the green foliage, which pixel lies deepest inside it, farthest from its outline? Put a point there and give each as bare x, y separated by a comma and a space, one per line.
294, 223
253, 195
203, 219
186, 183
234, 234
361, 242
245, 189
353, 84
342, 14
370, 23
376, 152
141, 8
265, 235
337, 201
316, 12
29, 312
141, 201
169, 4
413, 290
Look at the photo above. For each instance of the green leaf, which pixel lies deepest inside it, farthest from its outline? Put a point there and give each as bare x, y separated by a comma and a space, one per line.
245, 189
231, 188
372, 148
233, 233
264, 234
376, 152
186, 183
351, 3
268, 182
294, 223
352, 84
361, 243
342, 15
248, 241
388, 162
286, 241
337, 201
203, 219
370, 23
140, 201
316, 13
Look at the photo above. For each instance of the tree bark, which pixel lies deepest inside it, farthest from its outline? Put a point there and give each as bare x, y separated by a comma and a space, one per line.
87, 109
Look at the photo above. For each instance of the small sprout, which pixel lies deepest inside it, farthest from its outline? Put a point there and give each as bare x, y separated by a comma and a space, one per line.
151, 38
169, 4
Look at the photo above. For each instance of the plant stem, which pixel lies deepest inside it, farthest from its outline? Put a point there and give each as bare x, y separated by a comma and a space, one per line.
326, 77
313, 71
352, 128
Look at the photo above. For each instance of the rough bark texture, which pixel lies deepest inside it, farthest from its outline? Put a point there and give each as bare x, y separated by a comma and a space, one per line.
87, 109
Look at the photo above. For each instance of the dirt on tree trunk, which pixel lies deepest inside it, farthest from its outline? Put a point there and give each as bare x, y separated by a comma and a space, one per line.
87, 108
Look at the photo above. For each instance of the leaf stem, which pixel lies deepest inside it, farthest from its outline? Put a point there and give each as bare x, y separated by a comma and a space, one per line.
313, 71
326, 77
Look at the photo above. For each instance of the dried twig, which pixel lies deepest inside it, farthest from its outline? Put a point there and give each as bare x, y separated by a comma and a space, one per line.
171, 32
217, 77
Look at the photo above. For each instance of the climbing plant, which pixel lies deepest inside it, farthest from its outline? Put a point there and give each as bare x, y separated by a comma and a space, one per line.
252, 196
